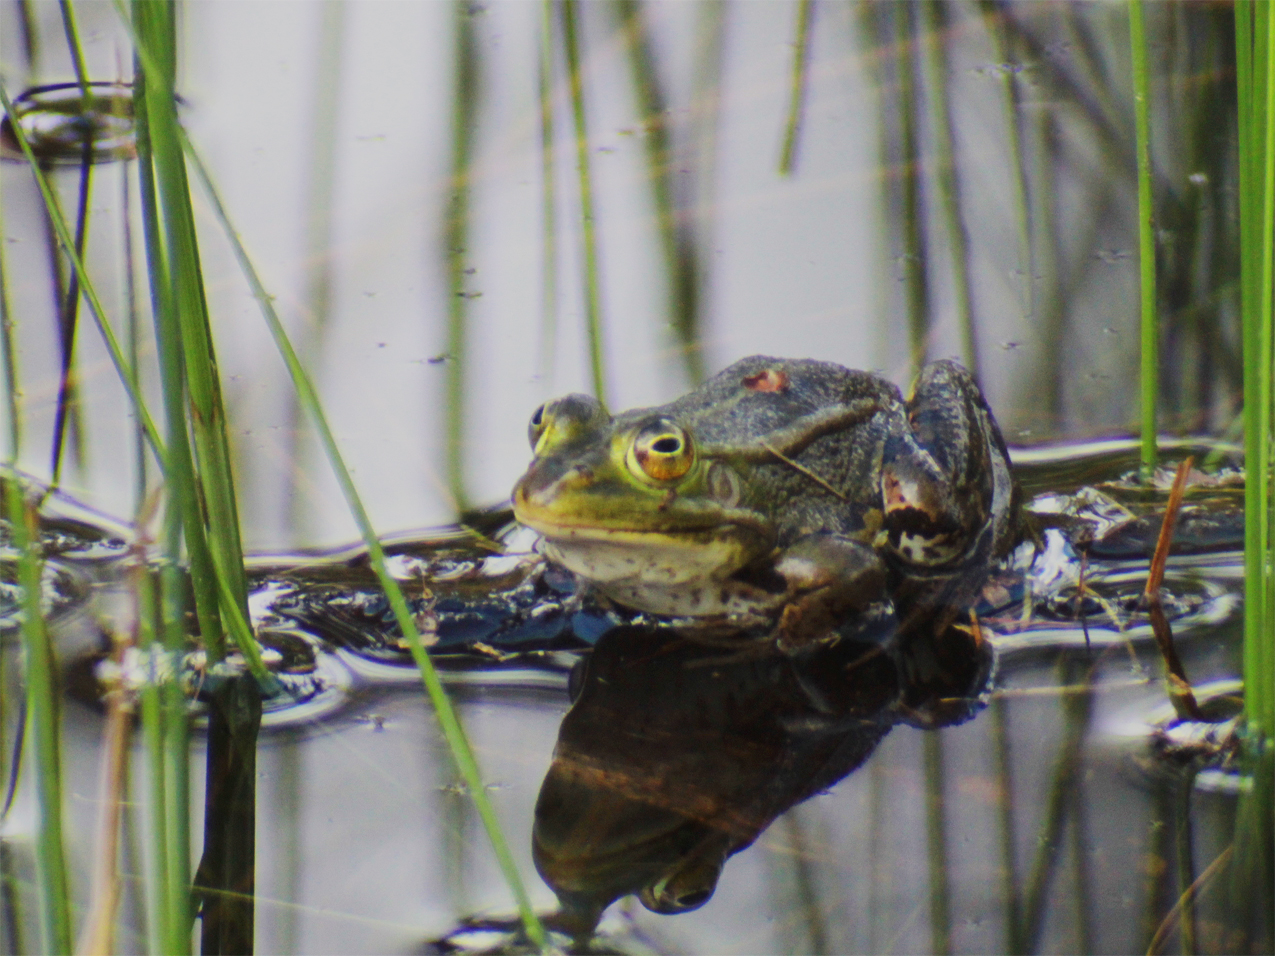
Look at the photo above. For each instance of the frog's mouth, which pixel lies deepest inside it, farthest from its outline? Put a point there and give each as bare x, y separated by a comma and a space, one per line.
652, 556
604, 536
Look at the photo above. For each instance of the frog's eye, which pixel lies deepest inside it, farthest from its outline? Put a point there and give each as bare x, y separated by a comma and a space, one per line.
536, 427
686, 889
661, 451
565, 420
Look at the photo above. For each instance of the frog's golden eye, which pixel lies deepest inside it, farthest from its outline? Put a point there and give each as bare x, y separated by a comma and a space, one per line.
661, 451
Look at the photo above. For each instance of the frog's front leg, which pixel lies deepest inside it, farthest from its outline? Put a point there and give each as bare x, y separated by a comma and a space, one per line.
941, 466
829, 577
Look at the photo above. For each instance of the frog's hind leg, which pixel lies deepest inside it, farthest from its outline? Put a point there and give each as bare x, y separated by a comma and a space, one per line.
936, 474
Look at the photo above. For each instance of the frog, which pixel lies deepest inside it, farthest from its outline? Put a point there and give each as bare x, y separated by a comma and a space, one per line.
780, 488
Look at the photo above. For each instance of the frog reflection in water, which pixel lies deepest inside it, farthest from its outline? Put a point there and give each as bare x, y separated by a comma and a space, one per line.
784, 488
675, 756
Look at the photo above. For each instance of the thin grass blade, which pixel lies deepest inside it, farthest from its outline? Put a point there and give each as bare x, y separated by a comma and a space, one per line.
42, 699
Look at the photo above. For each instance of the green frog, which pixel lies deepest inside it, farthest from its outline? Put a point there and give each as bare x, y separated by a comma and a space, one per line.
780, 487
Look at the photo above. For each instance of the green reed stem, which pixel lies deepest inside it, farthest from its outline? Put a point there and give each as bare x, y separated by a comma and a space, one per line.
42, 700
211, 593
797, 86
681, 257
9, 356
133, 328
175, 758
548, 196
448, 719
1255, 40
170, 760
947, 178
30, 28
456, 225
1150, 352
160, 918
192, 336
77, 51
915, 259
592, 290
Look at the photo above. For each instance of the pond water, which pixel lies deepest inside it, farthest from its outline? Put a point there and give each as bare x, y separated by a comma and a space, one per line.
963, 186
1036, 793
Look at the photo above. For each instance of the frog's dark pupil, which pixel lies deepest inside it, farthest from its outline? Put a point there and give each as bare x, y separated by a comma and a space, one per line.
692, 899
667, 445
537, 417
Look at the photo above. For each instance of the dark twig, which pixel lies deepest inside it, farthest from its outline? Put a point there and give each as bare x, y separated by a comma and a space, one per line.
1179, 687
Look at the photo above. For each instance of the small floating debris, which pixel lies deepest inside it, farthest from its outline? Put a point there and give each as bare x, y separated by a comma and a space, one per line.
57, 122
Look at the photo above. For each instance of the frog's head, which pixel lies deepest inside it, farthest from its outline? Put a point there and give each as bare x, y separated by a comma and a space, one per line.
631, 499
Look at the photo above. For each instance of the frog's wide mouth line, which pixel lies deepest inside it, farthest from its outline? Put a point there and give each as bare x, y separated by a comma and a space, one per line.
578, 531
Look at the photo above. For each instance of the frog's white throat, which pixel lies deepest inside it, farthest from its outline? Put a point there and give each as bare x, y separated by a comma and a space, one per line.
660, 574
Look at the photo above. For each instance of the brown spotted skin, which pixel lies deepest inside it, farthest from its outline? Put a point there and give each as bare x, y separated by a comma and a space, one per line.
796, 483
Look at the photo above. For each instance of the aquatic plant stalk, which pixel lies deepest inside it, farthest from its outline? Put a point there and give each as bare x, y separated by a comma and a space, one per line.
43, 696
161, 918
9, 357
456, 226
592, 290
548, 196
163, 710
1255, 41
946, 177
1254, 860
915, 259
797, 80
191, 335
677, 240
449, 721
1149, 382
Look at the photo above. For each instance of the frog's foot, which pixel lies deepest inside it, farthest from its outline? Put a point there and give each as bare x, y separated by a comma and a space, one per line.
829, 578
938, 472
920, 524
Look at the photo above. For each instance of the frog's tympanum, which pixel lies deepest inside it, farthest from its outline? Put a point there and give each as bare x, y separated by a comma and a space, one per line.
676, 755
780, 486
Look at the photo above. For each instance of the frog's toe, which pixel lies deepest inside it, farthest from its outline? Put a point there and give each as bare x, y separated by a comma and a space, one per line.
919, 526
830, 579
